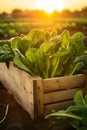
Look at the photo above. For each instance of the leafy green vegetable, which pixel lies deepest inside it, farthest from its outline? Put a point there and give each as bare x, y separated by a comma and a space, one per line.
48, 47
6, 53
75, 115
35, 57
65, 39
4, 42
20, 43
36, 37
77, 43
46, 54
21, 62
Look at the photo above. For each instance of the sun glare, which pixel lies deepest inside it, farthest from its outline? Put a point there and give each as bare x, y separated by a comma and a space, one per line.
50, 5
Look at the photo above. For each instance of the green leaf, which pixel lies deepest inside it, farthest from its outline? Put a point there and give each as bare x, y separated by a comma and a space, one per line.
77, 43
53, 33
80, 58
54, 64
48, 47
20, 64
5, 42
85, 98
74, 68
36, 57
84, 119
36, 37
62, 113
30, 54
15, 42
78, 37
79, 100
65, 39
21, 44
6, 54
57, 41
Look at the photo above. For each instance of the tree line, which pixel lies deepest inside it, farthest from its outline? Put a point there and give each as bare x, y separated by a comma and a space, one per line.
18, 13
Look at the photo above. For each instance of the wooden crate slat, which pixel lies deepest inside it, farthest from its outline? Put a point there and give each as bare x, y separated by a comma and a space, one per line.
60, 95
53, 84
57, 106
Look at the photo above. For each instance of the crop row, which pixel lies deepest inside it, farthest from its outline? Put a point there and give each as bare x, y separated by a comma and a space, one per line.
15, 27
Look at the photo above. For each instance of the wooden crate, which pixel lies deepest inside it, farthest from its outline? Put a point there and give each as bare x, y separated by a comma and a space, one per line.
40, 96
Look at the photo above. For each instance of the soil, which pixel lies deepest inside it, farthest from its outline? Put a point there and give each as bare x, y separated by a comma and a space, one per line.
18, 119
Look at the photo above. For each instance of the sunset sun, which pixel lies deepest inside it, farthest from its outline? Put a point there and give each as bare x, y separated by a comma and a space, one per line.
50, 5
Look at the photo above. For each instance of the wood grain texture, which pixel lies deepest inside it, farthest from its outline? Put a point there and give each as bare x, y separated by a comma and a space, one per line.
60, 83
20, 86
60, 95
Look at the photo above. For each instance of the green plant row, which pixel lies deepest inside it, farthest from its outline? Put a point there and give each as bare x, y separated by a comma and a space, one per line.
46, 54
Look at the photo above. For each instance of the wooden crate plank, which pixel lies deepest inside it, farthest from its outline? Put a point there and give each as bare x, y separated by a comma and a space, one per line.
20, 85
2, 67
57, 106
60, 95
60, 83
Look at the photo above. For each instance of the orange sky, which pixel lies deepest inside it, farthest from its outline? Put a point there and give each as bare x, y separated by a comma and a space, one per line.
47, 5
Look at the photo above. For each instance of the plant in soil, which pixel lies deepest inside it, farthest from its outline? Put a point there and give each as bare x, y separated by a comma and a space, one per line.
75, 115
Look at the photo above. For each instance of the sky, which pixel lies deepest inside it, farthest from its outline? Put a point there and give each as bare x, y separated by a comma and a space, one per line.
46, 5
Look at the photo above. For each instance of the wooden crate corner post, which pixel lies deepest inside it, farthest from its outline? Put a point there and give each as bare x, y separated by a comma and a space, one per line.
38, 97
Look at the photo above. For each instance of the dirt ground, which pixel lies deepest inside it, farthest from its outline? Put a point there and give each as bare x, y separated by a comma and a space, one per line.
17, 118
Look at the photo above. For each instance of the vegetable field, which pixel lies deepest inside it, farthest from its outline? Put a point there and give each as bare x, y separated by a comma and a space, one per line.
10, 27
47, 48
